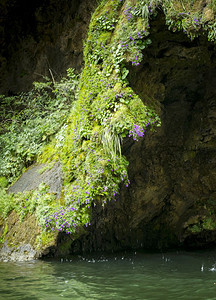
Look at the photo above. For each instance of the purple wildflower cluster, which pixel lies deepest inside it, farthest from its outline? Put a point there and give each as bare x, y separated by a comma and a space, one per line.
129, 12
127, 183
124, 44
139, 34
150, 9
68, 219
196, 21
137, 131
137, 58
82, 196
65, 219
181, 14
118, 95
125, 178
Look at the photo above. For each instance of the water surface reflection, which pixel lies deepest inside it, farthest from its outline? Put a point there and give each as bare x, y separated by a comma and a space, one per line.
123, 276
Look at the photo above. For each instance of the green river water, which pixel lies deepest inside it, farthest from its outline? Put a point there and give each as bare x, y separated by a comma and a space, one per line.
174, 275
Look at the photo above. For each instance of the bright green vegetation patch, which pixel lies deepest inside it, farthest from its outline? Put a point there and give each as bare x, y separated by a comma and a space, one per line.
3, 182
45, 239
206, 223
30, 202
106, 111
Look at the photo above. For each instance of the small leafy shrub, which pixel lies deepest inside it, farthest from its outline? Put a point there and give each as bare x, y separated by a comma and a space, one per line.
6, 203
30, 120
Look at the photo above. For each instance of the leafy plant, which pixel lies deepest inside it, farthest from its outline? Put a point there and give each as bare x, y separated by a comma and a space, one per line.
30, 120
3, 182
111, 143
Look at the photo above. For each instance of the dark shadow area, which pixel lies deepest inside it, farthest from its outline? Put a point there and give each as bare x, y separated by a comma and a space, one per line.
40, 37
174, 178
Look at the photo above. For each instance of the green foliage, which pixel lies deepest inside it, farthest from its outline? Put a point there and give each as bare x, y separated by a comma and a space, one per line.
111, 143
106, 111
24, 203
191, 17
3, 182
105, 23
50, 212
44, 239
30, 120
6, 203
206, 223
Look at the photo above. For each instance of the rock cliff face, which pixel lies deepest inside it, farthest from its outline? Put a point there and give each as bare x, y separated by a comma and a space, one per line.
175, 173
46, 36
172, 196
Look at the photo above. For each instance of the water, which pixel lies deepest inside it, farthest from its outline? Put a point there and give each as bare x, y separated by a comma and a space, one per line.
124, 276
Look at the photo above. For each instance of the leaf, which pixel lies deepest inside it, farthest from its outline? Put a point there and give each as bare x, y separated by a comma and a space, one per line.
125, 73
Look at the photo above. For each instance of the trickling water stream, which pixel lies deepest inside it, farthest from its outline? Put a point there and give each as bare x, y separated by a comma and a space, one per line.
185, 275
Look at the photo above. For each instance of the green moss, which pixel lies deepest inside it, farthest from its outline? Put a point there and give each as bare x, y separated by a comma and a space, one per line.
7, 203
5, 231
30, 202
209, 223
47, 167
45, 239
195, 228
107, 108
203, 223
